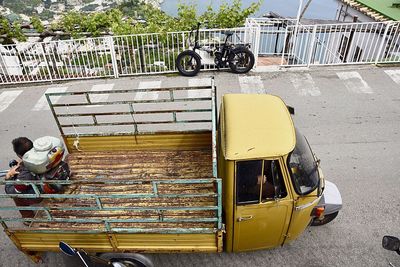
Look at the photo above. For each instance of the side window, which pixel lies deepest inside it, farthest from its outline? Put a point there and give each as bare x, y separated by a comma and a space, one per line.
248, 176
273, 185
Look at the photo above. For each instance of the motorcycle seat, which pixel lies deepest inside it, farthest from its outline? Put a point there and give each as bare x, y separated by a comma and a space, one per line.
228, 33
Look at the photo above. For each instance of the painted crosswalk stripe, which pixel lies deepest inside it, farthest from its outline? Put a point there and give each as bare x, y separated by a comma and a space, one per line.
394, 75
354, 82
305, 85
148, 95
7, 97
251, 85
100, 87
42, 102
199, 93
100, 97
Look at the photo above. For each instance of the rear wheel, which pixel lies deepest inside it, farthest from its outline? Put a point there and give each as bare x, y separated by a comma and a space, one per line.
241, 60
327, 219
188, 63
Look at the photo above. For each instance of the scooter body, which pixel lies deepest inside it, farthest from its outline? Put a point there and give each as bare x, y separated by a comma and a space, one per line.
107, 259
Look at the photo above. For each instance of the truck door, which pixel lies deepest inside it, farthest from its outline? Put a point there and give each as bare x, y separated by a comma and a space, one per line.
263, 206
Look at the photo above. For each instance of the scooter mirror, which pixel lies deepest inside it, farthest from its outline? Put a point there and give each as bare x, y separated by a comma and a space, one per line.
67, 249
391, 243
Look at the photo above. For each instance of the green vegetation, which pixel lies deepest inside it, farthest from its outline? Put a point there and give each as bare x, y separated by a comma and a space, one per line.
131, 17
124, 20
10, 31
37, 24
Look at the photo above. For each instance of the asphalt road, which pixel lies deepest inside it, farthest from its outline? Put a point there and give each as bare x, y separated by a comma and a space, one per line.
351, 118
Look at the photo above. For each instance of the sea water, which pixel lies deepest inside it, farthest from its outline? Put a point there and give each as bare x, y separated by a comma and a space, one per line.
318, 9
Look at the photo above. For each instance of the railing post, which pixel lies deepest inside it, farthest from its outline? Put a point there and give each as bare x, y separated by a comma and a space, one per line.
284, 45
382, 43
312, 45
113, 57
247, 28
3, 70
257, 31
47, 63
183, 42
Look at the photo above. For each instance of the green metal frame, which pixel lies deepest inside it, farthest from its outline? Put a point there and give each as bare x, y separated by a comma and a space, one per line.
132, 111
217, 183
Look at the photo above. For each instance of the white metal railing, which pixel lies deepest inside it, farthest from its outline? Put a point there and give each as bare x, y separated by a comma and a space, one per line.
156, 53
343, 43
114, 56
272, 34
110, 56
57, 60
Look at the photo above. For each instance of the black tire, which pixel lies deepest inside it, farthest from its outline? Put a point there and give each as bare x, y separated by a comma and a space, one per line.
241, 60
327, 219
188, 63
128, 259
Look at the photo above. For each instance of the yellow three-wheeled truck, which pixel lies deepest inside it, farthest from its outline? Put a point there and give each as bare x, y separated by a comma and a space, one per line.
155, 170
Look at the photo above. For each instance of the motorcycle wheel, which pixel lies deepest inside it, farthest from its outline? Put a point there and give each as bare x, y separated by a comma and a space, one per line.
241, 60
327, 219
188, 63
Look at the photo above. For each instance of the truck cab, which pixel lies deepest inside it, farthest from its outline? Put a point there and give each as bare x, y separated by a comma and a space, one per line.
272, 182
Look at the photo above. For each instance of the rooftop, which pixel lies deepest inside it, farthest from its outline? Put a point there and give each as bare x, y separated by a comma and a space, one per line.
256, 126
379, 10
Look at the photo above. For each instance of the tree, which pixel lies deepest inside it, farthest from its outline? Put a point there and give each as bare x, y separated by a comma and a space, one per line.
10, 31
132, 17
37, 24
229, 16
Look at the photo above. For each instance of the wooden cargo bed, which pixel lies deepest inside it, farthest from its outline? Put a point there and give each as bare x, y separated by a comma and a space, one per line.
166, 206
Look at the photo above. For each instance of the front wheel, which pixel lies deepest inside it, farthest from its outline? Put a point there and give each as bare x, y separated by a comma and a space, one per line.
188, 63
241, 60
327, 219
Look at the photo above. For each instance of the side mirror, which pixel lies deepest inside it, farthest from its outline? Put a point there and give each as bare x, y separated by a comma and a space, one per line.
67, 249
391, 243
291, 110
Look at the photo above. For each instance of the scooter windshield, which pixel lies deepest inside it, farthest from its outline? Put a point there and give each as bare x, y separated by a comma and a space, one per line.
302, 167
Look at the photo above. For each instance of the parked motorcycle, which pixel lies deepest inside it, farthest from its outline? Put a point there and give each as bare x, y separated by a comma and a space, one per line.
238, 57
107, 259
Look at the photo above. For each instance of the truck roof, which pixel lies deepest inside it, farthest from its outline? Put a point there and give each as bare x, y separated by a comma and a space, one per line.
255, 126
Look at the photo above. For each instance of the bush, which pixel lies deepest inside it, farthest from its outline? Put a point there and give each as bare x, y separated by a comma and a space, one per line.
124, 20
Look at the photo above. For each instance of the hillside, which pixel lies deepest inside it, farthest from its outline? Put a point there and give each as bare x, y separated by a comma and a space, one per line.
52, 9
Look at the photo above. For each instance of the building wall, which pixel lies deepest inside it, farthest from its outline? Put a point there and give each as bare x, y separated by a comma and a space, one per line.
346, 14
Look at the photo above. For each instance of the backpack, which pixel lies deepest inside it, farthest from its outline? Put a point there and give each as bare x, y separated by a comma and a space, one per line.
61, 172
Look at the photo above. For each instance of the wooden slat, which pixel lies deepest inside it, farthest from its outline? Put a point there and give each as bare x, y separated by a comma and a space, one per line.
161, 141
143, 164
124, 242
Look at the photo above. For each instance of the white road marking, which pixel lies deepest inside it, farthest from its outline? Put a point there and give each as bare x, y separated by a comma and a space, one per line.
100, 97
42, 102
148, 95
7, 97
305, 84
394, 75
354, 82
251, 85
199, 82
199, 93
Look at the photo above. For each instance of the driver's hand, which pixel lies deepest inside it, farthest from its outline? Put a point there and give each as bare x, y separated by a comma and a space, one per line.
261, 179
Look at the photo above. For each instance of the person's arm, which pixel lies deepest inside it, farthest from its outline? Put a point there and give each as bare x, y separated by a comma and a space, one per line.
24, 175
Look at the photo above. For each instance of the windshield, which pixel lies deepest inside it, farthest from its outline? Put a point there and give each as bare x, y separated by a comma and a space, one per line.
303, 168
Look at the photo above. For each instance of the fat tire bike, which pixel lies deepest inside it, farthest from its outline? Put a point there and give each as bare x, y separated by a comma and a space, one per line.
238, 57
